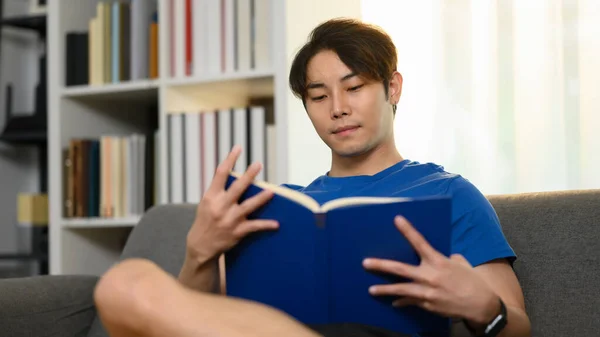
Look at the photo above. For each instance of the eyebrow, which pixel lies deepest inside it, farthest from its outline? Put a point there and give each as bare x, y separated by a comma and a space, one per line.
316, 85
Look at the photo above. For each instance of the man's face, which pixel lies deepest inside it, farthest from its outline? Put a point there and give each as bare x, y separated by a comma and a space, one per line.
349, 113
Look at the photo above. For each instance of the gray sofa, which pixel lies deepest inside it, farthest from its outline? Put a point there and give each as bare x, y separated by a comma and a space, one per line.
556, 236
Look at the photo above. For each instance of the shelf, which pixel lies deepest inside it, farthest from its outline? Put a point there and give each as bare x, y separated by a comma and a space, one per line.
140, 90
100, 222
25, 138
36, 23
246, 76
218, 91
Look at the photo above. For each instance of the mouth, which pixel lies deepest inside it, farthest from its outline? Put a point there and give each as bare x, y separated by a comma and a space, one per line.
345, 130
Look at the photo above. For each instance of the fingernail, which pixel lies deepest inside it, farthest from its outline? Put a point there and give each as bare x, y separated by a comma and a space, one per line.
367, 262
372, 289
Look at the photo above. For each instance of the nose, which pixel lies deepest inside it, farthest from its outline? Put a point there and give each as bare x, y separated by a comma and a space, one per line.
339, 106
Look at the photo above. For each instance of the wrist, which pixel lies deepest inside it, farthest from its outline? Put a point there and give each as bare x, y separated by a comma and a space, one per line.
485, 313
199, 273
488, 316
197, 262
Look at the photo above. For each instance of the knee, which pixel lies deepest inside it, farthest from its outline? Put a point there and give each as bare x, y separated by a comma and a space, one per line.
127, 282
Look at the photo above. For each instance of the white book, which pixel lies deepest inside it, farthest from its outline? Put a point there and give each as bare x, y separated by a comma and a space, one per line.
240, 137
179, 30
257, 138
271, 166
263, 30
209, 148
243, 35
116, 175
193, 134
213, 45
130, 168
224, 133
141, 186
199, 37
229, 35
176, 158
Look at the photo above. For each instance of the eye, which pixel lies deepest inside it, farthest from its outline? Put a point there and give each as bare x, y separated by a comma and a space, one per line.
318, 98
355, 88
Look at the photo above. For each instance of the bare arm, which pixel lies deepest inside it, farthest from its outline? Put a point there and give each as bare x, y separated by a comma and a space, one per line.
201, 276
500, 276
219, 224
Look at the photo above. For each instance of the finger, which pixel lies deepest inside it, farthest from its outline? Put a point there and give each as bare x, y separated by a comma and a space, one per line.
235, 191
409, 289
416, 240
223, 170
251, 204
405, 302
250, 226
394, 267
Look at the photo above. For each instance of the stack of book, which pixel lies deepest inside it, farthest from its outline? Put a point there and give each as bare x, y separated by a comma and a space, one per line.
120, 45
197, 141
110, 177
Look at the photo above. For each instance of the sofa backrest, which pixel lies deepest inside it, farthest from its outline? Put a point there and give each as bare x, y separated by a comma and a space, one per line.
556, 236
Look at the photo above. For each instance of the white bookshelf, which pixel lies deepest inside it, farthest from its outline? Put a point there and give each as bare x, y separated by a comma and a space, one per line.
90, 246
141, 87
99, 222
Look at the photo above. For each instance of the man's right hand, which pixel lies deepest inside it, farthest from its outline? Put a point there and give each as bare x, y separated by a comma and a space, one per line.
221, 222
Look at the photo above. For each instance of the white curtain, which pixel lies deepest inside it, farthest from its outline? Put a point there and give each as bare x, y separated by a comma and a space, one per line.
506, 92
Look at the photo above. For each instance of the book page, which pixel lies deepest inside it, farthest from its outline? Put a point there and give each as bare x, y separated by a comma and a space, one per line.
355, 201
287, 193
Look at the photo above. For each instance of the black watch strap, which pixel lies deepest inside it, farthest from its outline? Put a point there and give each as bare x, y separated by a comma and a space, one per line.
495, 326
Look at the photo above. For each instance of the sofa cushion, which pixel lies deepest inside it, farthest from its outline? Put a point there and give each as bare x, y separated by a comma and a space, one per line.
556, 236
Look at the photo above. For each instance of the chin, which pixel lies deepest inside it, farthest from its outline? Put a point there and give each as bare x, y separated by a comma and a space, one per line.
351, 151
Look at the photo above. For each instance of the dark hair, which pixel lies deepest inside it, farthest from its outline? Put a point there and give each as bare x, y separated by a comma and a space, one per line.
364, 48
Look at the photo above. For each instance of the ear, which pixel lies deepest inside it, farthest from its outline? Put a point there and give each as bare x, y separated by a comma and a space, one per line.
395, 88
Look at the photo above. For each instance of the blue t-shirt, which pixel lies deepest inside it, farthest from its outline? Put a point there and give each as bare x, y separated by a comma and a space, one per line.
476, 230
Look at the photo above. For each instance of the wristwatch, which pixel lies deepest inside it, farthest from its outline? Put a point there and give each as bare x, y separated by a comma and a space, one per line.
493, 328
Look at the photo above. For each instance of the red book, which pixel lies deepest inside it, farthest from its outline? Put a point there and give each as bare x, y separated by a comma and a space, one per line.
188, 37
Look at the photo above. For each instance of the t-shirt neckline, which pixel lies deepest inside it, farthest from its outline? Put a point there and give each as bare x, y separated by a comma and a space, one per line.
362, 179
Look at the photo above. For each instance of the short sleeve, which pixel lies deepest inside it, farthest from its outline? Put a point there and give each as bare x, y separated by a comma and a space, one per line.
477, 233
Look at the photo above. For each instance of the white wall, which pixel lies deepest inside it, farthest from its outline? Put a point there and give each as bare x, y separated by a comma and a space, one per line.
18, 165
502, 92
309, 157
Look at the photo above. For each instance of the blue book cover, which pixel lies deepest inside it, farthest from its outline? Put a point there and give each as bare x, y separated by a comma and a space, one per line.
311, 266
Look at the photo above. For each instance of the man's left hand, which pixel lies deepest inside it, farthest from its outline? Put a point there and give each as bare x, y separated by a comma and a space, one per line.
446, 286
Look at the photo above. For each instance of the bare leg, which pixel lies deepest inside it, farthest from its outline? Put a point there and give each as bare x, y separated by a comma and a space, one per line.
136, 298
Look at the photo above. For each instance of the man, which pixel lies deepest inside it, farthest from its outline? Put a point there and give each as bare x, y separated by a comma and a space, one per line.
346, 77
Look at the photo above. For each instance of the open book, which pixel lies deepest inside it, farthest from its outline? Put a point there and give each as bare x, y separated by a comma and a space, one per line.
311, 267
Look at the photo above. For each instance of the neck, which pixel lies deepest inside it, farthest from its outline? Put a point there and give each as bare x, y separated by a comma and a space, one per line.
369, 163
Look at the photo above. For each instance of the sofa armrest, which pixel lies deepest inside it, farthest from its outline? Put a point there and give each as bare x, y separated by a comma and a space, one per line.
47, 305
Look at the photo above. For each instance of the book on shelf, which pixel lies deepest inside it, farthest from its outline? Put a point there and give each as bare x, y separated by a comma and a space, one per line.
197, 141
120, 44
311, 267
111, 176
215, 36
